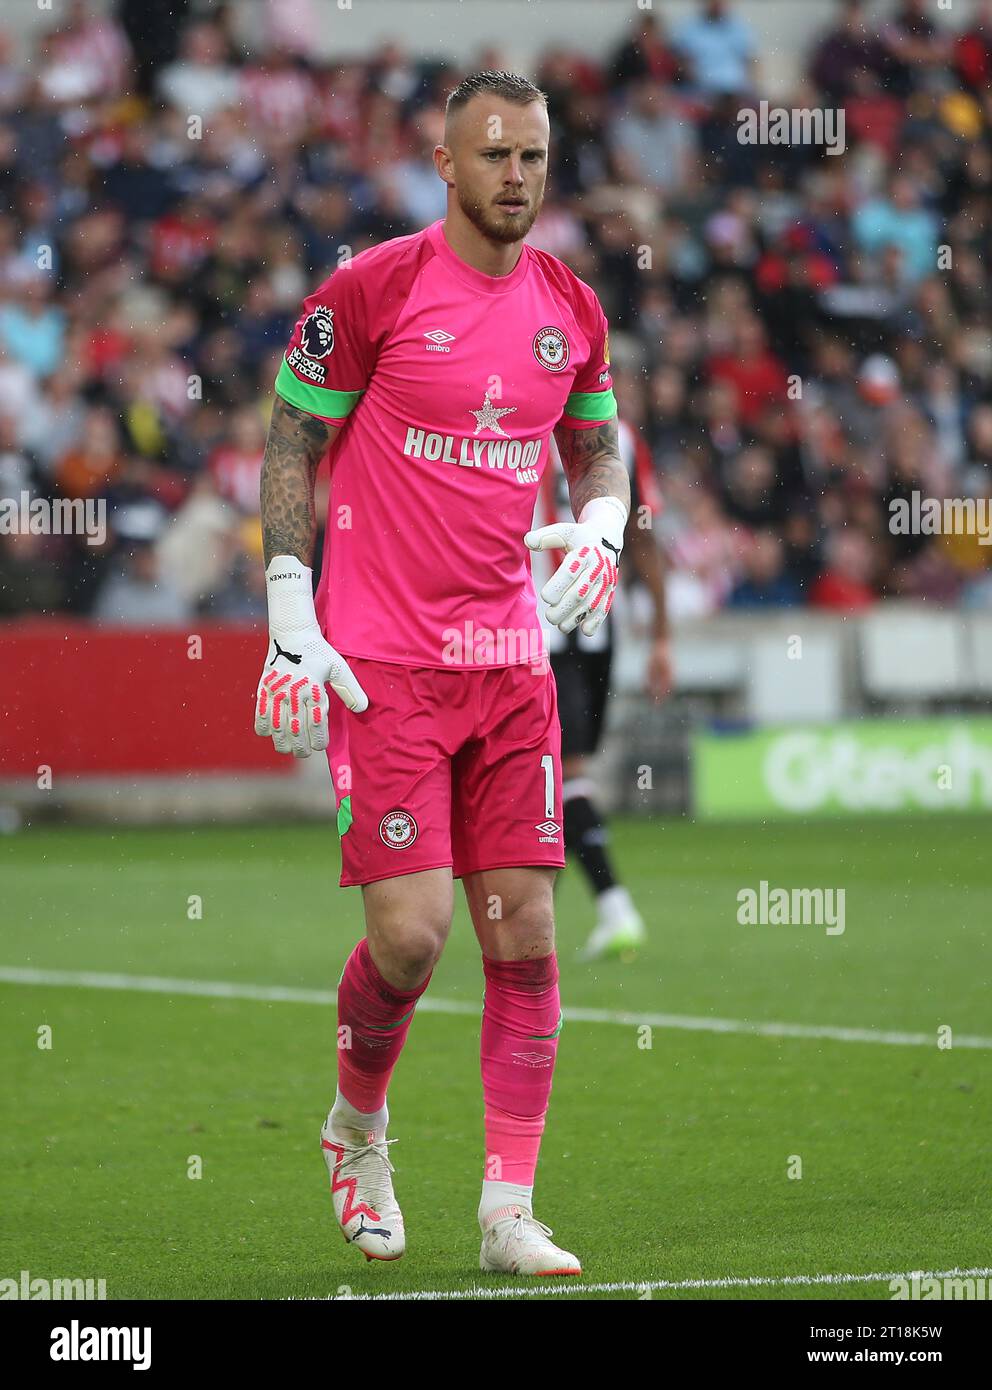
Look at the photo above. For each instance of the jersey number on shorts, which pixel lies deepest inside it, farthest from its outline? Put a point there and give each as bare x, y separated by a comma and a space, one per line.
548, 763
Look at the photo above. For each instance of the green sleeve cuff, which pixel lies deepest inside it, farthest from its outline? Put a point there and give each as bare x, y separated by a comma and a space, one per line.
315, 400
591, 405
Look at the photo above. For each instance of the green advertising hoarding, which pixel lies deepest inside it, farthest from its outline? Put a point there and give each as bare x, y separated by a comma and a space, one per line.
869, 767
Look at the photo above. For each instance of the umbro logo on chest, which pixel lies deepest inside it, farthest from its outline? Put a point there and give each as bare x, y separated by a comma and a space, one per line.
550, 346
438, 340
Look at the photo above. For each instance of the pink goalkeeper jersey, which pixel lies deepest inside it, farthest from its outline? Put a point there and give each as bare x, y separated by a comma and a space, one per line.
447, 384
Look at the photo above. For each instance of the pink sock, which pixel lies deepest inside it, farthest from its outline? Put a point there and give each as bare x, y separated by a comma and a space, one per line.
377, 1018
520, 1027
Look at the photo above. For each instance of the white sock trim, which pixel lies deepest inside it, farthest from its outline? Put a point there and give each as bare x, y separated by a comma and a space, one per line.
343, 1115
501, 1199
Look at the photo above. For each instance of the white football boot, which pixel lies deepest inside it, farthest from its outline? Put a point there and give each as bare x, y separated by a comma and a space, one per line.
620, 930
514, 1243
362, 1192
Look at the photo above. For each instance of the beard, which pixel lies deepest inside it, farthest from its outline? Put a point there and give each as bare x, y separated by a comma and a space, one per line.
495, 223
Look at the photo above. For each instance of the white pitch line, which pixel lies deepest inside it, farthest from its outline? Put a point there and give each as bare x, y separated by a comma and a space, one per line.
288, 994
742, 1282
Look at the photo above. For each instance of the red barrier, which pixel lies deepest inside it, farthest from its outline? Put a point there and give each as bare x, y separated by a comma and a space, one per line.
97, 700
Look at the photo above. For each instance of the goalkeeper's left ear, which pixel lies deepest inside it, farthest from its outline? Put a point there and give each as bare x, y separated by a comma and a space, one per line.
581, 589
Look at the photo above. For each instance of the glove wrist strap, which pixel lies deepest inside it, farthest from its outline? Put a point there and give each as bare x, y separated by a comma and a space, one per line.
289, 589
609, 516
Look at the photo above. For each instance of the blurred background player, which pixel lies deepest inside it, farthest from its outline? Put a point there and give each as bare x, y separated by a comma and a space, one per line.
582, 667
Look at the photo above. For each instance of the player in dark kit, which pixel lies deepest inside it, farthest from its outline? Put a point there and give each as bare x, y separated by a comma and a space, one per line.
582, 667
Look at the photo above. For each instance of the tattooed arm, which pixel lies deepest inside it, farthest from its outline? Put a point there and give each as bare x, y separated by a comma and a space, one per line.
291, 699
296, 444
592, 463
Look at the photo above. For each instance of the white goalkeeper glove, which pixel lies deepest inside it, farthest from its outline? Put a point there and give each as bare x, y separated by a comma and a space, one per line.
582, 587
291, 701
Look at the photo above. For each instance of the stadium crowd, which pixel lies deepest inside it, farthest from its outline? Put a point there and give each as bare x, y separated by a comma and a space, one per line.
801, 336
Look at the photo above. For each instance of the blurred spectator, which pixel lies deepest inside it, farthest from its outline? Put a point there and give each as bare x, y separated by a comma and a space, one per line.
88, 56
845, 584
756, 375
653, 141
802, 339
851, 48
766, 582
719, 49
30, 577
973, 49
92, 464
901, 221
202, 80
135, 593
915, 47
647, 53
236, 463
32, 328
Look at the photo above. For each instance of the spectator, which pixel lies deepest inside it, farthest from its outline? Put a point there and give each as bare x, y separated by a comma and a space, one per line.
804, 356
754, 372
136, 595
766, 582
653, 142
851, 48
32, 328
845, 584
201, 81
915, 46
719, 50
646, 53
899, 220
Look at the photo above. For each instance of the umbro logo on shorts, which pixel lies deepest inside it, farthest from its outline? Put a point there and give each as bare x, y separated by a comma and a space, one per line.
532, 1059
548, 827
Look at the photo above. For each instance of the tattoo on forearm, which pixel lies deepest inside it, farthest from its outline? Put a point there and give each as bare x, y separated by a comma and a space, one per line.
296, 444
592, 463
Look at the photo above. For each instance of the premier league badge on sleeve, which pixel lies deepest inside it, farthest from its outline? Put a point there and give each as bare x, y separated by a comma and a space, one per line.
317, 333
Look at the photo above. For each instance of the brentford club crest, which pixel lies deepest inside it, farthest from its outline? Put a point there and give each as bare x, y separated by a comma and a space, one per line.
398, 830
551, 349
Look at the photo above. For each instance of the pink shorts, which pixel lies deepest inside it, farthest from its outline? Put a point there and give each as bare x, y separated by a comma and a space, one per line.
447, 768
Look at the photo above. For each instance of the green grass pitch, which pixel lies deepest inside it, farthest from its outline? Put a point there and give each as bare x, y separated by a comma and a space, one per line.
660, 1165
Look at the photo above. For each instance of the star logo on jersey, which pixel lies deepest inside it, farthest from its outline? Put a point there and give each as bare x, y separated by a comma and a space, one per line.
489, 416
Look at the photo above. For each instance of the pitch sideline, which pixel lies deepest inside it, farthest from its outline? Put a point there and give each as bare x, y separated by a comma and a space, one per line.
285, 994
667, 1285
